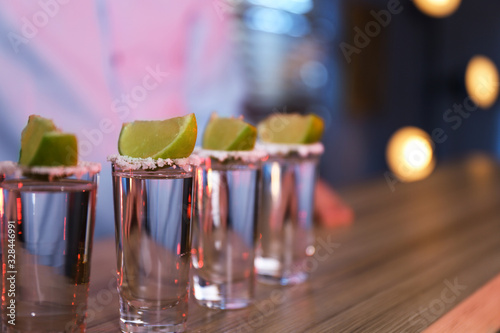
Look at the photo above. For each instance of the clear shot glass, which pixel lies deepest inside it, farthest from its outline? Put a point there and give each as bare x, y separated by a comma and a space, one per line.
153, 242
285, 220
224, 228
47, 226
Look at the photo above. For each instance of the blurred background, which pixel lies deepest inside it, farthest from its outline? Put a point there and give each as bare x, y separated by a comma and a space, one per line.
370, 68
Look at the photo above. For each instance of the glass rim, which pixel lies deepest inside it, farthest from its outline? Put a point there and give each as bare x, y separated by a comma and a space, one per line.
234, 156
127, 163
285, 149
174, 169
10, 169
293, 158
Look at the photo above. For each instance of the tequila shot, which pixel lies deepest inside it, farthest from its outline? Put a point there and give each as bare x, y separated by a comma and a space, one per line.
285, 220
153, 244
47, 226
224, 235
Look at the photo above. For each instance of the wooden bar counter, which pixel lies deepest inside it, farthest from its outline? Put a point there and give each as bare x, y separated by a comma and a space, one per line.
414, 253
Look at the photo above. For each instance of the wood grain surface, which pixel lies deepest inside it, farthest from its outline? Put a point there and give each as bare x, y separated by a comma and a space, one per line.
478, 313
414, 252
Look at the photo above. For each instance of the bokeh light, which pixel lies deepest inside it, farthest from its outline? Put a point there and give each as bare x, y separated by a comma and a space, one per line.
314, 74
481, 81
410, 154
293, 6
437, 8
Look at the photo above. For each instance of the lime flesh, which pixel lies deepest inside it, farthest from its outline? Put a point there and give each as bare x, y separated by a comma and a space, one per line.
171, 138
56, 149
229, 134
291, 129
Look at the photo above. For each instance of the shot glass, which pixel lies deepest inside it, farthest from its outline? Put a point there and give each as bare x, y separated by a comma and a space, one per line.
47, 226
285, 221
224, 228
153, 244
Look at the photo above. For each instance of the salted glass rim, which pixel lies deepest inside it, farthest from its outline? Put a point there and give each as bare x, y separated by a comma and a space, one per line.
127, 163
245, 156
285, 149
12, 169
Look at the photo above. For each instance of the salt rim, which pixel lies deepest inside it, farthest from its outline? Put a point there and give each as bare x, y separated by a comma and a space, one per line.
10, 168
247, 156
134, 163
303, 150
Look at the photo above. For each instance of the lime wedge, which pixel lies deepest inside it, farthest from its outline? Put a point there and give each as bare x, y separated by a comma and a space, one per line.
32, 135
291, 129
229, 134
42, 144
171, 138
56, 149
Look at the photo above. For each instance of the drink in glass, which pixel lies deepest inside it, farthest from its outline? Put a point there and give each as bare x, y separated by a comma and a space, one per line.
225, 206
285, 222
47, 231
153, 244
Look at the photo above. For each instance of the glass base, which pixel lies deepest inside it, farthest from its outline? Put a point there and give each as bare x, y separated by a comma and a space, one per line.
47, 324
10, 329
228, 304
227, 296
272, 271
288, 280
130, 327
137, 320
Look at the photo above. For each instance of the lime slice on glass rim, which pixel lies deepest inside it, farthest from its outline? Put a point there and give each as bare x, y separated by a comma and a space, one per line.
171, 138
42, 144
291, 129
229, 134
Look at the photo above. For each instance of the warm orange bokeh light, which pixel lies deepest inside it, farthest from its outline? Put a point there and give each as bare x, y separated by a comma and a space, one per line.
410, 154
481, 81
437, 8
